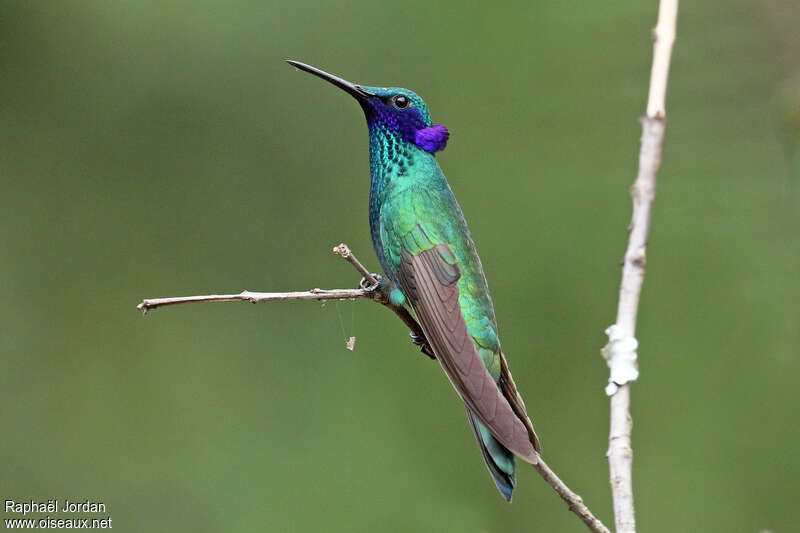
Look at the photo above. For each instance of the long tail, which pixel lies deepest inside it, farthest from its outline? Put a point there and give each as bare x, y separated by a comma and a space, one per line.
499, 460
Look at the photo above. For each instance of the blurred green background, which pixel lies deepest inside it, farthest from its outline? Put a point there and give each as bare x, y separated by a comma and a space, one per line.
158, 149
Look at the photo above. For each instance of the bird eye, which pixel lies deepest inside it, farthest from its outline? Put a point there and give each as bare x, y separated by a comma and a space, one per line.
400, 101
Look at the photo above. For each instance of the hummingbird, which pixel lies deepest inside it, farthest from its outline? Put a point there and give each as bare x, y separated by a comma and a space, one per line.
431, 265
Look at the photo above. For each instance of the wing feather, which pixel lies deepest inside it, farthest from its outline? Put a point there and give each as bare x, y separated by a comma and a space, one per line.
430, 283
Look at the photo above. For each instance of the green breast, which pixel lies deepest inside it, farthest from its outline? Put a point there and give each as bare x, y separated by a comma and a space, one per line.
417, 211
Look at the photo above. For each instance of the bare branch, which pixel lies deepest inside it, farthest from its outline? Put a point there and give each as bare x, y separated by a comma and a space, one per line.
620, 453
256, 297
663, 38
573, 501
371, 292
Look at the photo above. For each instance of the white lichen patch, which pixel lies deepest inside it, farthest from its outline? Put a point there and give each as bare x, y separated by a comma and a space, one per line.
620, 355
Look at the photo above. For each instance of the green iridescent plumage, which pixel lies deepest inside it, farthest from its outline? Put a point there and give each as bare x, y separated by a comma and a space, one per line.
416, 211
430, 260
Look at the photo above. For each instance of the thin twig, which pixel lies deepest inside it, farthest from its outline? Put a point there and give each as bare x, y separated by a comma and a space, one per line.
256, 297
371, 292
573, 501
620, 453
374, 292
344, 251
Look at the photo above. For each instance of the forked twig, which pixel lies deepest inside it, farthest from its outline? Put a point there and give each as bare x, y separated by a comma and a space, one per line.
370, 290
374, 292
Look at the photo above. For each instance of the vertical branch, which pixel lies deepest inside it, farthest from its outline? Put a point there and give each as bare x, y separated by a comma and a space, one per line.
620, 453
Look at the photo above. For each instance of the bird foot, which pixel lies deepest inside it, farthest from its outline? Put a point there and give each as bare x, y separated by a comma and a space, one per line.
416, 339
422, 342
369, 287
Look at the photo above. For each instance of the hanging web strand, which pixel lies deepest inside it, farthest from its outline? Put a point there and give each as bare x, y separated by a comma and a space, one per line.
349, 341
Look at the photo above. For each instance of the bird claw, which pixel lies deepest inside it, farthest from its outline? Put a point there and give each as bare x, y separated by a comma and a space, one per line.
369, 287
422, 342
416, 339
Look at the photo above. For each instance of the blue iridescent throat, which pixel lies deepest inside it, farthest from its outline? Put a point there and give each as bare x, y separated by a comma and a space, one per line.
410, 127
412, 122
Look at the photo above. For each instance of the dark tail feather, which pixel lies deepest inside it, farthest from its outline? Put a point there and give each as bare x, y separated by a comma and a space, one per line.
499, 460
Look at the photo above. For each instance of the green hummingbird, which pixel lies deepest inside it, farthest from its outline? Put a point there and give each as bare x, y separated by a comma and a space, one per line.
431, 264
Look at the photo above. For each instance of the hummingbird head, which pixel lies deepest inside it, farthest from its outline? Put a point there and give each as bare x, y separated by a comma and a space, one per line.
396, 110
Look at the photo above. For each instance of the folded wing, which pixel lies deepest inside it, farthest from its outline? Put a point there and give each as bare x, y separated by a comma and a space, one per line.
430, 281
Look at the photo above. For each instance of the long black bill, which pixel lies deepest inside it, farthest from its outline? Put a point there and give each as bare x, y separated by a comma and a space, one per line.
355, 90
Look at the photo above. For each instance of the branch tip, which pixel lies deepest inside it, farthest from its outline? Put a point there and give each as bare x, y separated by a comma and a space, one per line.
342, 250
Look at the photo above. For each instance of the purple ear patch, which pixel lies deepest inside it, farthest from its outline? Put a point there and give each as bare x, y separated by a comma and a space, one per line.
432, 139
